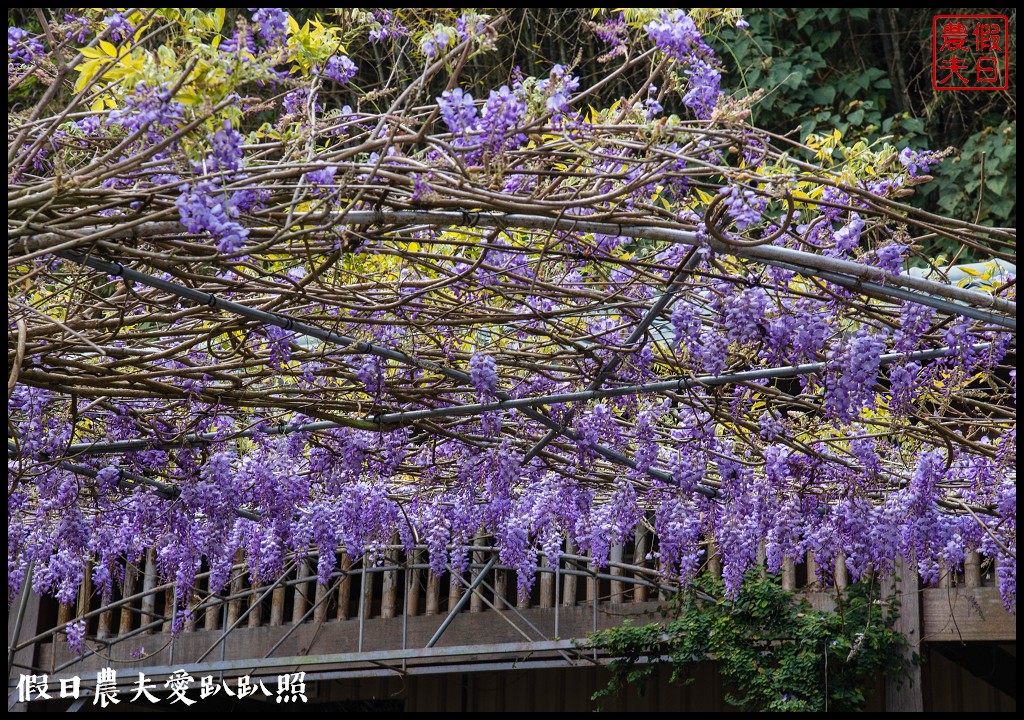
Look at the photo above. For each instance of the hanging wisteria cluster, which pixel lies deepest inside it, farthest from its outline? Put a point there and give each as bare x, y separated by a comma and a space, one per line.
266, 295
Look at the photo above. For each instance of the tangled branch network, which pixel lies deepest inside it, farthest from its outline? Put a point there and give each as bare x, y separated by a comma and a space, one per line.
280, 287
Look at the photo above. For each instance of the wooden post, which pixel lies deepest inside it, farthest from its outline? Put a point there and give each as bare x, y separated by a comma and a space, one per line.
569, 585
255, 618
788, 574
944, 573
476, 603
301, 602
366, 588
547, 586
714, 560
345, 587
640, 560
908, 696
277, 603
813, 583
762, 554
130, 574
85, 593
64, 615
105, 621
389, 594
522, 601
170, 609
148, 583
500, 589
618, 589
592, 586
412, 585
454, 591
433, 602
320, 611
235, 604
972, 570
841, 576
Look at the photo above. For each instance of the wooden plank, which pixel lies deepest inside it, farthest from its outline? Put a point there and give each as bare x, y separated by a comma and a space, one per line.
904, 694
964, 614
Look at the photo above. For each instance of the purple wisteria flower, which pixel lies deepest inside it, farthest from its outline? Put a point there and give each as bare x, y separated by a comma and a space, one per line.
22, 48
484, 372
340, 69
702, 88
457, 110
918, 162
120, 28
271, 25
745, 207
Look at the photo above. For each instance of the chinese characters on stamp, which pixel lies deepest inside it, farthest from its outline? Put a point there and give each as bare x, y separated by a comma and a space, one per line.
970, 52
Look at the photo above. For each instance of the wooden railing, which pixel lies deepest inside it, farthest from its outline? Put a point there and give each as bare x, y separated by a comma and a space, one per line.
404, 585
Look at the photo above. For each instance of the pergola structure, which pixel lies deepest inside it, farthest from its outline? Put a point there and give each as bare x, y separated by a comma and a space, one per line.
432, 319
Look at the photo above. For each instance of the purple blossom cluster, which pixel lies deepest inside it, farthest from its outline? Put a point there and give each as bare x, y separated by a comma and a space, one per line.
702, 81
22, 48
271, 25
558, 88
205, 207
918, 163
503, 112
120, 29
340, 69
675, 34
388, 25
457, 110
484, 372
151, 110
853, 371
745, 207
435, 41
